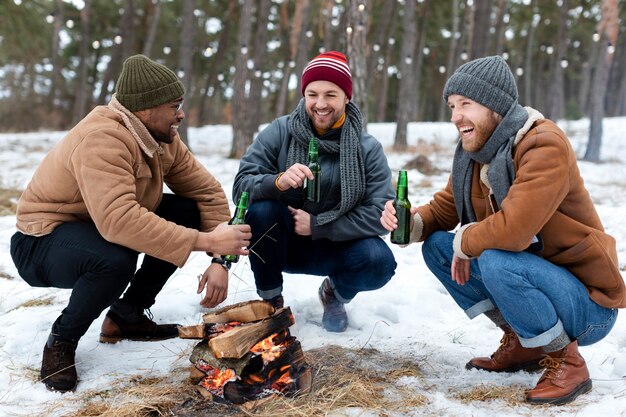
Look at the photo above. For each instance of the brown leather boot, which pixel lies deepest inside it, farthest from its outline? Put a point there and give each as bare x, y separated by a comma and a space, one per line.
511, 356
565, 378
115, 328
58, 368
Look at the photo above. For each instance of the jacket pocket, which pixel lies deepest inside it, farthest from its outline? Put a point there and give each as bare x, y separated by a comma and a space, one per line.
594, 263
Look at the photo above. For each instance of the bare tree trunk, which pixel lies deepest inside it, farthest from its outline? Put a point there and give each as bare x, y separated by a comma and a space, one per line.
256, 80
300, 44
55, 58
406, 85
153, 13
528, 56
556, 107
481, 21
185, 62
609, 29
453, 52
283, 91
418, 62
206, 109
499, 35
616, 102
377, 70
120, 52
383, 85
240, 84
357, 17
80, 103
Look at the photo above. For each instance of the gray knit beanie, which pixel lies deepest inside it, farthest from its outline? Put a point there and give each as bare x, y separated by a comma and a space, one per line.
488, 81
144, 84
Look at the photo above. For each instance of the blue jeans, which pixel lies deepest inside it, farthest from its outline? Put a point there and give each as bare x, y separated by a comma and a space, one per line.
353, 266
537, 298
76, 256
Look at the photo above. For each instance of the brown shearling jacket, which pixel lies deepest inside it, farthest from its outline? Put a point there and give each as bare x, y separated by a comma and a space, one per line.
548, 197
103, 172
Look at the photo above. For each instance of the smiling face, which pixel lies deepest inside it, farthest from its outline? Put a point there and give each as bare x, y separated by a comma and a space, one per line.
325, 103
162, 121
474, 121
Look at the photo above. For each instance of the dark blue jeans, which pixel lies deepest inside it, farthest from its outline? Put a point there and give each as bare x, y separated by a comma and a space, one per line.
353, 265
537, 298
76, 256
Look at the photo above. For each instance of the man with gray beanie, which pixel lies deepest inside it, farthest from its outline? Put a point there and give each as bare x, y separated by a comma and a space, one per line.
96, 202
531, 252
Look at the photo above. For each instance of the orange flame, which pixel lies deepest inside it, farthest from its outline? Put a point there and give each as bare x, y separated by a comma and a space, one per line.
216, 378
268, 350
282, 382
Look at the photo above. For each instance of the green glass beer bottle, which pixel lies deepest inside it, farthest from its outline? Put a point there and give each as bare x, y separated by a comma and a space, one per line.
312, 187
238, 218
400, 236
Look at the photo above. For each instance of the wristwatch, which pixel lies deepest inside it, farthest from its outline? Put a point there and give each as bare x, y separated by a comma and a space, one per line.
225, 264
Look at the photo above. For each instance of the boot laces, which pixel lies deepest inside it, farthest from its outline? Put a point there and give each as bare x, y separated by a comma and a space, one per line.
551, 364
505, 342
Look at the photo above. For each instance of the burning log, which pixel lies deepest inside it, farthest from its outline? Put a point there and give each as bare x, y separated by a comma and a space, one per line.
248, 354
289, 374
245, 312
236, 342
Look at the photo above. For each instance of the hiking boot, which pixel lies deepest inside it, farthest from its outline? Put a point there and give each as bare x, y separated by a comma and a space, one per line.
566, 377
277, 302
511, 356
58, 368
334, 318
139, 328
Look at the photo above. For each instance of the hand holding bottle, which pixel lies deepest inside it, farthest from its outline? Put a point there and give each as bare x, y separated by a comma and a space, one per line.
294, 177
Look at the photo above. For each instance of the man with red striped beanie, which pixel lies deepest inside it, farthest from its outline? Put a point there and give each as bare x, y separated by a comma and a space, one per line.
337, 235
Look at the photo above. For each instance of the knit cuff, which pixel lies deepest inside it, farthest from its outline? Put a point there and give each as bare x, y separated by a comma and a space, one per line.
276, 182
456, 243
417, 229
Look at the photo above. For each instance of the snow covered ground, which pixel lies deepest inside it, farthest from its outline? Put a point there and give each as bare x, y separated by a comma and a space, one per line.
411, 316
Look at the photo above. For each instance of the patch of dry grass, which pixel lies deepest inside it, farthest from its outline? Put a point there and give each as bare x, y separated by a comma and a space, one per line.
510, 394
342, 378
8, 201
345, 378
37, 302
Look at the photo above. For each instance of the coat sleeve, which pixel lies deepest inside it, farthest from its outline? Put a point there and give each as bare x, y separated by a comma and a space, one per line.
263, 161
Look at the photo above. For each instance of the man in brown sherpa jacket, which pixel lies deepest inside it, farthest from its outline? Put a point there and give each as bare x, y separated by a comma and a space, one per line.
96, 202
531, 253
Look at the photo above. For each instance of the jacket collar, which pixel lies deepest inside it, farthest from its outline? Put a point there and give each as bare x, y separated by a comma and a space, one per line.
137, 129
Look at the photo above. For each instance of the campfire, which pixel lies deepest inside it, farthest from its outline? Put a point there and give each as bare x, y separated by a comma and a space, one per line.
247, 354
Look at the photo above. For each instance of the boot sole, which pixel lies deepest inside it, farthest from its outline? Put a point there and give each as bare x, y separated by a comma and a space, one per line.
528, 367
115, 339
583, 388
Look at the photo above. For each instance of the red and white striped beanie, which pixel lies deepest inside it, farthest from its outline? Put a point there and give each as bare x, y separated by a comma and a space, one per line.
330, 66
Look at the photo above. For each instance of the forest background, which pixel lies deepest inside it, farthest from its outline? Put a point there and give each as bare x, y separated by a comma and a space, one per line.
241, 60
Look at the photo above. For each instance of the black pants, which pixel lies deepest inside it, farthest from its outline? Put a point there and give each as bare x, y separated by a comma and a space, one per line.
76, 256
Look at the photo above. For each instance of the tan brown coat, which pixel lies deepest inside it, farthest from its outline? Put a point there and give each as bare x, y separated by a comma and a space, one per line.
548, 197
98, 172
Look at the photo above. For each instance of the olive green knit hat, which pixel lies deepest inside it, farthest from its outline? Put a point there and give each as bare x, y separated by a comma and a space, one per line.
144, 84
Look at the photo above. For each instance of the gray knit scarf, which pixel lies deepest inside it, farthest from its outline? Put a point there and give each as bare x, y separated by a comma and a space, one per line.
351, 166
498, 153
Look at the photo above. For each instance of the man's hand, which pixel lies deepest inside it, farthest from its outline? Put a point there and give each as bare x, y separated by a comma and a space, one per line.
294, 177
460, 270
215, 279
388, 217
301, 221
225, 239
